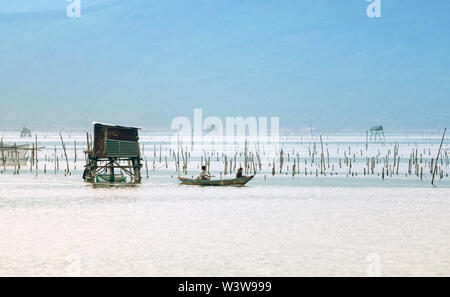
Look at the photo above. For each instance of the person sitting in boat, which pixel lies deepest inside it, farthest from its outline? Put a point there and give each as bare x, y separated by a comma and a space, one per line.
204, 175
240, 172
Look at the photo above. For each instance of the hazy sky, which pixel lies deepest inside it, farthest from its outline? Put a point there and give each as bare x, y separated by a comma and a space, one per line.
145, 62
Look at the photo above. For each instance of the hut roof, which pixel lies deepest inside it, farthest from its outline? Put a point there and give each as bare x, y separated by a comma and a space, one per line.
116, 126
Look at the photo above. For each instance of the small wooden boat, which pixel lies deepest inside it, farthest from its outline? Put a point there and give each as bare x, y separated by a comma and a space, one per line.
223, 182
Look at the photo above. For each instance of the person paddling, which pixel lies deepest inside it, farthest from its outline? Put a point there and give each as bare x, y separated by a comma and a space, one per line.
240, 172
204, 175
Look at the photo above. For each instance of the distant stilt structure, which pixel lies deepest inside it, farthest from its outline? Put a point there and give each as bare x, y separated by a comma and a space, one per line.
115, 147
377, 131
14, 153
25, 132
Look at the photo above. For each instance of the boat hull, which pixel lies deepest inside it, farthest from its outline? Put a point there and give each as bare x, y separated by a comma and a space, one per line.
224, 182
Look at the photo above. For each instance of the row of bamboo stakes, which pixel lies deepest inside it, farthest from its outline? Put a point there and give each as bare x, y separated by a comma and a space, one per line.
317, 163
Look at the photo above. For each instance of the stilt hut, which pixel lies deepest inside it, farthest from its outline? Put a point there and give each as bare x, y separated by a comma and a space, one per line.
26, 132
377, 131
114, 156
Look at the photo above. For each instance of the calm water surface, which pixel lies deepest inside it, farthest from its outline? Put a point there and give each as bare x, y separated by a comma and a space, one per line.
53, 225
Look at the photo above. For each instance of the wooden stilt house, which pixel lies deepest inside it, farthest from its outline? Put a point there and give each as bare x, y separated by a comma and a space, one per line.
114, 156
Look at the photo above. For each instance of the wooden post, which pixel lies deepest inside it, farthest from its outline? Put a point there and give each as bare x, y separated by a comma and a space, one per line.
54, 160
437, 158
75, 151
14, 159
209, 165
32, 158
367, 140
225, 170
65, 153
36, 156
245, 156
322, 158
3, 156
186, 162
17, 158
281, 161
137, 169
293, 169
87, 141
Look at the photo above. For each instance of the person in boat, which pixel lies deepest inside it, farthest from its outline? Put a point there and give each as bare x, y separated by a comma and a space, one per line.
204, 175
240, 173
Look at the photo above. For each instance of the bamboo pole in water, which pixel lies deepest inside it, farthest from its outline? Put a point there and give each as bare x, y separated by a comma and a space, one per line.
32, 158
437, 158
87, 141
225, 170
14, 158
75, 151
245, 156
146, 166
293, 169
36, 155
65, 153
54, 159
367, 140
281, 161
186, 162
322, 158
3, 156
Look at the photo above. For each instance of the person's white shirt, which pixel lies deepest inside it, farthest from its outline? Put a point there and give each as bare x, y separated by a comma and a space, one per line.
204, 175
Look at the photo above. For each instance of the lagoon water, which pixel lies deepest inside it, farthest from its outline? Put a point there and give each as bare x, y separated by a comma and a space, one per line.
52, 225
